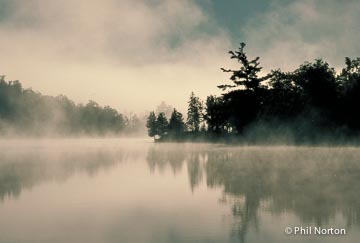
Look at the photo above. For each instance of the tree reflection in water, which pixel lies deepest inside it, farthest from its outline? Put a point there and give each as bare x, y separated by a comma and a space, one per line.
159, 158
23, 170
174, 156
313, 183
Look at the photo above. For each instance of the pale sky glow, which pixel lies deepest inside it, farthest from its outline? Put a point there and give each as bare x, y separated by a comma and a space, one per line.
132, 54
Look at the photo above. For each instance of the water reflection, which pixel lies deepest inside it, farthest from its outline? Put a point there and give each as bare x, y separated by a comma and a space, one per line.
159, 158
315, 184
174, 156
21, 170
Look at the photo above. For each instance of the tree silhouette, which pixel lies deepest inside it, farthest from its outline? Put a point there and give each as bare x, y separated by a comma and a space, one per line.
151, 125
283, 100
194, 113
247, 75
215, 115
318, 83
161, 124
311, 103
176, 123
349, 81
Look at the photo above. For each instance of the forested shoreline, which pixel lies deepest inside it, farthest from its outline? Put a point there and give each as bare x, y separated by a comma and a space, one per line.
24, 112
312, 104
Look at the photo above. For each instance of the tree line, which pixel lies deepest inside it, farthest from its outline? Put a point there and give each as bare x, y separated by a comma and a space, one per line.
311, 103
26, 112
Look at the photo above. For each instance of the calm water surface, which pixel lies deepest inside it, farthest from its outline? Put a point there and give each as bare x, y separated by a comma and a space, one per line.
119, 190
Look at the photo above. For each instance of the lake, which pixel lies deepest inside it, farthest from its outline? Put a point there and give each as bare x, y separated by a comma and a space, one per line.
132, 190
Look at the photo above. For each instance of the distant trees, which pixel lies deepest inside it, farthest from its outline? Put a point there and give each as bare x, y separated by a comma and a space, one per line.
27, 112
165, 108
95, 119
133, 123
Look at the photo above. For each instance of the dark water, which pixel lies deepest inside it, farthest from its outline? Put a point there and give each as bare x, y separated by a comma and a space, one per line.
110, 190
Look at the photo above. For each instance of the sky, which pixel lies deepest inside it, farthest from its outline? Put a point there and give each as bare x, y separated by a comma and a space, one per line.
133, 54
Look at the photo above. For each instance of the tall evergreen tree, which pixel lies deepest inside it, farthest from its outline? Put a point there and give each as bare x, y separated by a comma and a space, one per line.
243, 105
215, 114
162, 124
151, 124
194, 113
176, 123
247, 75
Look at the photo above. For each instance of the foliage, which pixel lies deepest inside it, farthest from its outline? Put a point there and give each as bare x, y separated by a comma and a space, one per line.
247, 75
349, 82
310, 102
215, 115
30, 113
176, 123
151, 125
194, 113
162, 124
159, 127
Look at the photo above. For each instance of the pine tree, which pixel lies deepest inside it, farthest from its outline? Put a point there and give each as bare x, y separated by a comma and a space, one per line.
247, 75
176, 123
162, 124
151, 124
195, 116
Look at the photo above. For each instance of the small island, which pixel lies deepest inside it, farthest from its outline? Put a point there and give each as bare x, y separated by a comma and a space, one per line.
312, 104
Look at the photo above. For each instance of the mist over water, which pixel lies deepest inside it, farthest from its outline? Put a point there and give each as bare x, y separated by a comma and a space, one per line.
132, 190
251, 108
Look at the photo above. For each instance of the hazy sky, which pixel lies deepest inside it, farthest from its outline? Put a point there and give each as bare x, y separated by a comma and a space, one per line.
132, 54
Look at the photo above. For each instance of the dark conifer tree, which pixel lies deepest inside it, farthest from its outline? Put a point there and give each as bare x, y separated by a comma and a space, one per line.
176, 123
247, 74
215, 115
161, 124
151, 125
194, 113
